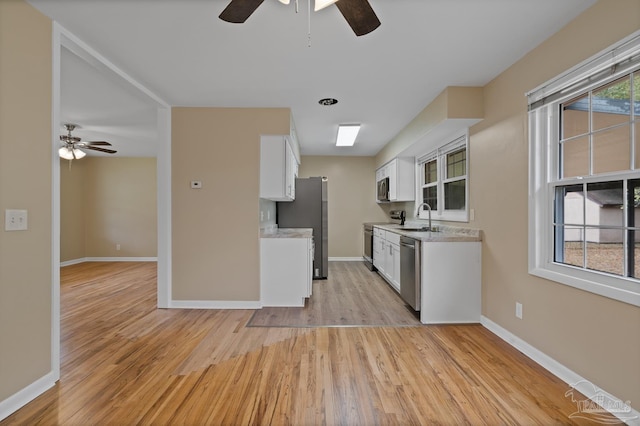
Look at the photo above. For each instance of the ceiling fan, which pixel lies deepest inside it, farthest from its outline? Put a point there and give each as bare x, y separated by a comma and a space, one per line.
358, 13
70, 149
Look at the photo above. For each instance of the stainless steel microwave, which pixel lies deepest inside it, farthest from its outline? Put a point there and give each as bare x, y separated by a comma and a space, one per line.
383, 189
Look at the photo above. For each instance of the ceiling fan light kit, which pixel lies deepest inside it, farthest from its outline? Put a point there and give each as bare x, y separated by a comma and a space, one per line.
71, 154
358, 13
321, 4
70, 149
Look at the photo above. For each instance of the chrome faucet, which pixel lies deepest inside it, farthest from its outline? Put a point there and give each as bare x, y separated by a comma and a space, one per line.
418, 212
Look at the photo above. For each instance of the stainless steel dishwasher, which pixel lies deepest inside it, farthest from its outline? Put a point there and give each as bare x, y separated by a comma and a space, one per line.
410, 272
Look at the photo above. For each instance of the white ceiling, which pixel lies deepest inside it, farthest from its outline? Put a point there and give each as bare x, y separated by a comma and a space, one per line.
183, 53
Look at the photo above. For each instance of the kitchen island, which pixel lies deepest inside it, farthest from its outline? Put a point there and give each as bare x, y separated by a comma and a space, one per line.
450, 269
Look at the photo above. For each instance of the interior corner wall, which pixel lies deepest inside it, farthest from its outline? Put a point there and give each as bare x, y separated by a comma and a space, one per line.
215, 229
352, 193
120, 205
594, 336
108, 201
432, 115
25, 183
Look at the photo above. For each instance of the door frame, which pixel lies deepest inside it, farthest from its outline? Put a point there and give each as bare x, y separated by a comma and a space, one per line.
63, 39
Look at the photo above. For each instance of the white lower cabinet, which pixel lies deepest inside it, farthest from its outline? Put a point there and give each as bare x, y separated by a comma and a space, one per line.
286, 271
386, 256
451, 282
395, 276
451, 276
378, 248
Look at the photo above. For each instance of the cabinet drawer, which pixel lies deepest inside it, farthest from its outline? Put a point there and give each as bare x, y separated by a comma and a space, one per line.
393, 238
377, 232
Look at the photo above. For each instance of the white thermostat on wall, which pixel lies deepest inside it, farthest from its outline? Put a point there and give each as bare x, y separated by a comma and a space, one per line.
196, 184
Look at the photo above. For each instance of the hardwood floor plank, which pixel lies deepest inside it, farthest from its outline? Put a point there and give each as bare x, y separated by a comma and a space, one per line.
351, 296
126, 362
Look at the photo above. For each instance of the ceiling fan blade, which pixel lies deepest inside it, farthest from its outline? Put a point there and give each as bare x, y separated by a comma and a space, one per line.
359, 15
101, 143
95, 148
239, 11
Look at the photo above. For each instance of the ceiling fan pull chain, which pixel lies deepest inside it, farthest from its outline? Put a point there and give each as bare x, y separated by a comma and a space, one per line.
309, 23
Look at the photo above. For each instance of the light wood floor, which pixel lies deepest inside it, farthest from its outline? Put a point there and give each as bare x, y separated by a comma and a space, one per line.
351, 295
126, 362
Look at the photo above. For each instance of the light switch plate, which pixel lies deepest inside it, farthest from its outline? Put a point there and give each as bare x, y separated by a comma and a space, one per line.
15, 220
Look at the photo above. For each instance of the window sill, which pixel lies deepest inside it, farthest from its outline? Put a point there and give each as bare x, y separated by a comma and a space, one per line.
619, 289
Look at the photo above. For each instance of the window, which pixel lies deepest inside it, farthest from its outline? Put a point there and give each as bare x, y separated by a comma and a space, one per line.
443, 181
584, 185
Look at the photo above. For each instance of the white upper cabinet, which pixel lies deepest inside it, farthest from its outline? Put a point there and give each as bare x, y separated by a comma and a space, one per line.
278, 168
402, 181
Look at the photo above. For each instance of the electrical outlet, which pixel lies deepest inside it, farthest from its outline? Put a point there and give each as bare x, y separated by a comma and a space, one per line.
518, 310
15, 220
117, 246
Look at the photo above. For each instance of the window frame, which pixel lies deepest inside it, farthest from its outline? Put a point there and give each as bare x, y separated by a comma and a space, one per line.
451, 145
544, 138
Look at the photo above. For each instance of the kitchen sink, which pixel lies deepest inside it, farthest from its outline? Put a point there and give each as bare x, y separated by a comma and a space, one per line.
423, 229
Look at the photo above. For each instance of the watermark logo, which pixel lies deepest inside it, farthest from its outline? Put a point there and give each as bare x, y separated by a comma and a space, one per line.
599, 407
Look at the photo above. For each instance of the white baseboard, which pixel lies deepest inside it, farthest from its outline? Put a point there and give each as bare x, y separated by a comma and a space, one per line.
26, 395
214, 304
622, 410
108, 259
346, 259
73, 262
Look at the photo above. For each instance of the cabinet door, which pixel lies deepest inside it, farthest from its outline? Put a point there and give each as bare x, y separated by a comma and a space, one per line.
395, 278
392, 168
277, 171
405, 179
381, 256
290, 178
284, 272
310, 267
379, 236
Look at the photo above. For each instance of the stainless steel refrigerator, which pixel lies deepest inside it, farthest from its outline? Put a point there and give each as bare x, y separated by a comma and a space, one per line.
309, 210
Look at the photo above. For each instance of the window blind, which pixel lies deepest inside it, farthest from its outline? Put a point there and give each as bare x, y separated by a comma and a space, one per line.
615, 61
444, 149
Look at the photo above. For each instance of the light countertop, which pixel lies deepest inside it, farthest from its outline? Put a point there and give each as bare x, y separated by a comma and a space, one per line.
287, 233
445, 234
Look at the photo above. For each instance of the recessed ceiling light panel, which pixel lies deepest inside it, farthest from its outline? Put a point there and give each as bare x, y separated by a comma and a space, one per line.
347, 134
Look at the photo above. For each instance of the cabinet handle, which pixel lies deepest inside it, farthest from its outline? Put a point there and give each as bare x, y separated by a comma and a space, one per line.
390, 249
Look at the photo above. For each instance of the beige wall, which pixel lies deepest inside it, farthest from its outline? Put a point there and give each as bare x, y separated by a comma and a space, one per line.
596, 337
120, 206
351, 191
453, 103
215, 240
72, 210
106, 201
25, 183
